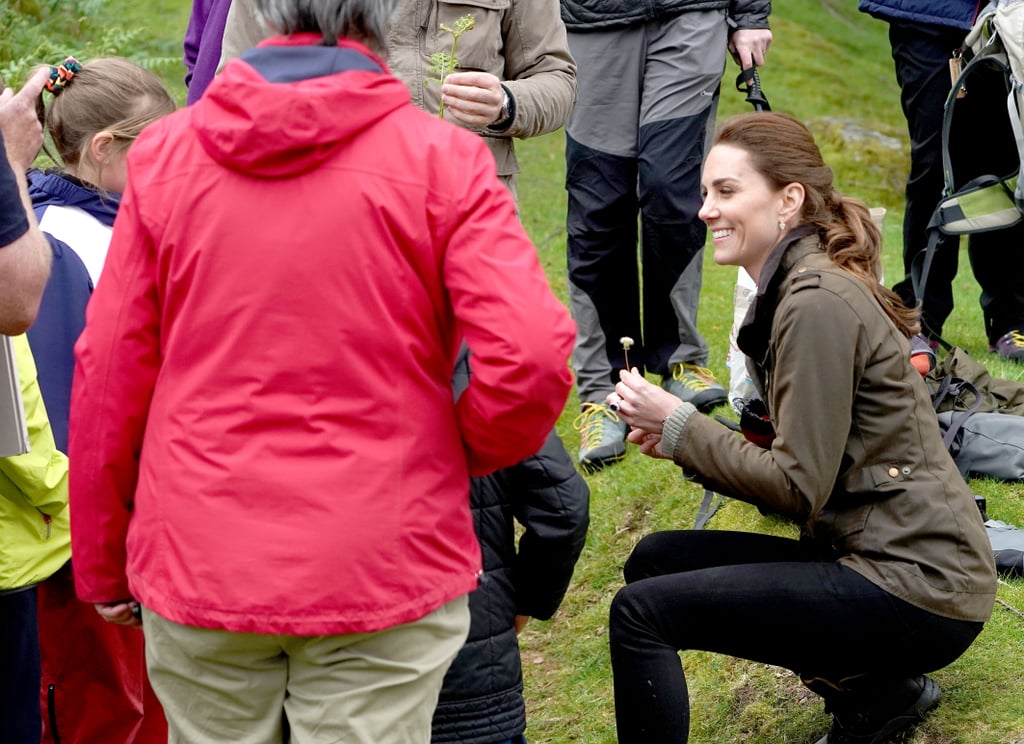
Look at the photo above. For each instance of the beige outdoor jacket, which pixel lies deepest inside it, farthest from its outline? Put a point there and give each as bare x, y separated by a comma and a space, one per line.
858, 460
521, 42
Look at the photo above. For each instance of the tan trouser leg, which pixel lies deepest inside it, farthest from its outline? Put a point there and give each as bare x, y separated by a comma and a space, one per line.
363, 688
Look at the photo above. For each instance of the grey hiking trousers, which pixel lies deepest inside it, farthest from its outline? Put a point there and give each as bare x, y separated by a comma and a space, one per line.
635, 144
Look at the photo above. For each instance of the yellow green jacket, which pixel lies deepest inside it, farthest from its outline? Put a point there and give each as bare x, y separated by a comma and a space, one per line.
35, 539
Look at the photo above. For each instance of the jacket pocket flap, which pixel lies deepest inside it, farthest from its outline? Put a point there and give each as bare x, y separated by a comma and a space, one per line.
838, 526
870, 477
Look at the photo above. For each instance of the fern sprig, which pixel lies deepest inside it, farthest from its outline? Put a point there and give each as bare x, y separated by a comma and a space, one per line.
442, 64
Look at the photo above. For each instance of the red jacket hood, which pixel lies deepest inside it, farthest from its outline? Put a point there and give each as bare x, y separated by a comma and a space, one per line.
272, 129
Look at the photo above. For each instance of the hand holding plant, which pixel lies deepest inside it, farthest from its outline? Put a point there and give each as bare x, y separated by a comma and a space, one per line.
442, 64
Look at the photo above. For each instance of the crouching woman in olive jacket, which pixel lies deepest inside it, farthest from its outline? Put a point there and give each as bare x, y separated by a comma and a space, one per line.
892, 576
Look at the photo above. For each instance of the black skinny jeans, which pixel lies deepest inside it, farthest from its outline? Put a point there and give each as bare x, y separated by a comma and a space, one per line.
761, 598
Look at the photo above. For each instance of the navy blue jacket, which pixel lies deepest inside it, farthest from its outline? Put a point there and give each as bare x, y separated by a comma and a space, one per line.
955, 13
62, 312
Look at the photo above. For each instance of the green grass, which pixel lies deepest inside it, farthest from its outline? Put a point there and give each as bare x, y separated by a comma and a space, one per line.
829, 66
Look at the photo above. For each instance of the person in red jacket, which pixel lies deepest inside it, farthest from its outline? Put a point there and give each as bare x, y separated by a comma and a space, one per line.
266, 459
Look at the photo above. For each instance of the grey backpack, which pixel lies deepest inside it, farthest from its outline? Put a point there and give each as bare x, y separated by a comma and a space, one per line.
980, 417
1007, 547
985, 444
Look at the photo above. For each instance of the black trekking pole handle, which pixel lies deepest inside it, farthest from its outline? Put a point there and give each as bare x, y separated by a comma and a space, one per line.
749, 82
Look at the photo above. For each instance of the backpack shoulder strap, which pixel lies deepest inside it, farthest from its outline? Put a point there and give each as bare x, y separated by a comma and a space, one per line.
957, 389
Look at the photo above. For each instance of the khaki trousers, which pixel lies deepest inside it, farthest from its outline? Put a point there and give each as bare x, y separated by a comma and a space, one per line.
363, 688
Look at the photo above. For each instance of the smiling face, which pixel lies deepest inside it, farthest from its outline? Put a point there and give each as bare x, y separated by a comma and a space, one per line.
742, 209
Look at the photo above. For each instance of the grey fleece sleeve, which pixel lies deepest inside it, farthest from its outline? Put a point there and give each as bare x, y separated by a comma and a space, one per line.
672, 427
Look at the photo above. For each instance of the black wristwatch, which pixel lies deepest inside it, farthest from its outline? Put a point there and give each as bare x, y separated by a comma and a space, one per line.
508, 112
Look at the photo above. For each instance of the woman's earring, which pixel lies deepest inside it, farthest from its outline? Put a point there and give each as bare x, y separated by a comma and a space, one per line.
782, 225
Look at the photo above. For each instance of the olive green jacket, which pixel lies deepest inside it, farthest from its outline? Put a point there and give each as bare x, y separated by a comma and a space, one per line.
857, 460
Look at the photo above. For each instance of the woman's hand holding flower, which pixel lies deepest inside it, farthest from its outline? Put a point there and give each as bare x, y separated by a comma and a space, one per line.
644, 406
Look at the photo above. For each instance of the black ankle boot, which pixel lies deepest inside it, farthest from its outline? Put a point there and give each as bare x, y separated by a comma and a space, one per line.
876, 717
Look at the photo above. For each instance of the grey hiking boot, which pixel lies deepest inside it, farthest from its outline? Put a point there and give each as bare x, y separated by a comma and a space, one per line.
695, 385
886, 720
602, 436
1010, 346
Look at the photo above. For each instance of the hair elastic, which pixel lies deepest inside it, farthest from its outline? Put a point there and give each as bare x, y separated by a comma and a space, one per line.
60, 75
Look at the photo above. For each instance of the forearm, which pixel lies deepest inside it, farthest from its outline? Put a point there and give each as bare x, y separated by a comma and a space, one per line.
543, 103
539, 69
719, 459
672, 427
520, 334
544, 568
551, 500
24, 259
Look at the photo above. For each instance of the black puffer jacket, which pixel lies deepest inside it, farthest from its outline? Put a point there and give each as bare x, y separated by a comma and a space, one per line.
602, 15
482, 696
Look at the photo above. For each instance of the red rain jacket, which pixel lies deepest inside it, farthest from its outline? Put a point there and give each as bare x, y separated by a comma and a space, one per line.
263, 437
